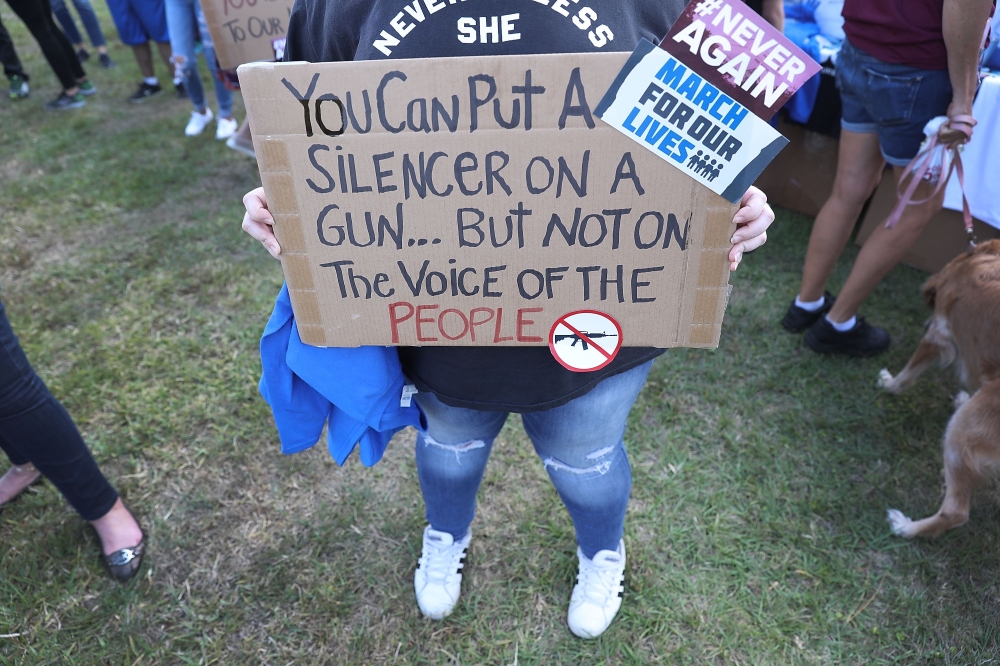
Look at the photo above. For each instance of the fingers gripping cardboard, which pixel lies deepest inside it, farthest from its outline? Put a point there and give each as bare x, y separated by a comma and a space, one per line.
474, 201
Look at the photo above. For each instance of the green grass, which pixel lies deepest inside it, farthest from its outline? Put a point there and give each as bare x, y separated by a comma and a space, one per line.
756, 532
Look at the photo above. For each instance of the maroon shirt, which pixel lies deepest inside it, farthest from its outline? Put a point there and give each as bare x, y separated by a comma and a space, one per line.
905, 32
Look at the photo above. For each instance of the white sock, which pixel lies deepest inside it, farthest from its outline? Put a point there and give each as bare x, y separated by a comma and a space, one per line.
843, 326
151, 81
810, 306
178, 80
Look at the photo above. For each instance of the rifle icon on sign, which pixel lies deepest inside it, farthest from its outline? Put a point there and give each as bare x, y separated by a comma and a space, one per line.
576, 338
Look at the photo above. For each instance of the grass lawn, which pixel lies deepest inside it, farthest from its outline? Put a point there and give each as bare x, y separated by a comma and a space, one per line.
756, 533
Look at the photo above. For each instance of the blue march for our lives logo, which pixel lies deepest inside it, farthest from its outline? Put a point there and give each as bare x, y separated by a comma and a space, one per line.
660, 103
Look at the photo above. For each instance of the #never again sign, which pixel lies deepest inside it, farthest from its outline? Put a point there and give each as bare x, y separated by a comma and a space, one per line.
478, 201
729, 45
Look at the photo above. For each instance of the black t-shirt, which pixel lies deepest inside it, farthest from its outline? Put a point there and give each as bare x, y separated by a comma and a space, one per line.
520, 379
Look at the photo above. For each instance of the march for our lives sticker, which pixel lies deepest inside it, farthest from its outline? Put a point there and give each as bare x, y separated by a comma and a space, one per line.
662, 105
702, 117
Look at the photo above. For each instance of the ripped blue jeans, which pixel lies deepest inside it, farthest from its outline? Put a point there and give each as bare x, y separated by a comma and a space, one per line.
580, 444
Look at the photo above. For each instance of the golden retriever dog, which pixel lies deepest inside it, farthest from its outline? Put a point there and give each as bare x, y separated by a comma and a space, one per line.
964, 330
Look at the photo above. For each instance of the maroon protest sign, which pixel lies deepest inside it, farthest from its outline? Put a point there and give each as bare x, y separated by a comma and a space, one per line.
732, 47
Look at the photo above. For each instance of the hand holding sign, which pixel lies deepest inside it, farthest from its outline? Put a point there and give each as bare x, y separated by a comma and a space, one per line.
752, 221
258, 221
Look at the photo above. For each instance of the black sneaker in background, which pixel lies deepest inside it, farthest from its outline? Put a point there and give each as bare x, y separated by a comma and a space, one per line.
798, 319
83, 55
106, 61
64, 102
862, 340
182, 92
144, 92
19, 88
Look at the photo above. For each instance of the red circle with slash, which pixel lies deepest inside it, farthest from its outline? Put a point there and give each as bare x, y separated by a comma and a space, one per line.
585, 340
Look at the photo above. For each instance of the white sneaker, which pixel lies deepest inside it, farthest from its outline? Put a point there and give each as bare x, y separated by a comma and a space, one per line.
438, 578
198, 122
598, 592
225, 128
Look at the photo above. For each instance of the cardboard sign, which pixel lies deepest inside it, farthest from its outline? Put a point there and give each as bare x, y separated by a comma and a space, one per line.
246, 30
683, 119
740, 53
475, 201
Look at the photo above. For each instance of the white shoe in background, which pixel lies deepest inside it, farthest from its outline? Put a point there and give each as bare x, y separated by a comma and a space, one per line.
438, 578
225, 128
598, 592
198, 122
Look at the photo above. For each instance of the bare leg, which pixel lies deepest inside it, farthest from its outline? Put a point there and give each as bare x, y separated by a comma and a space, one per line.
244, 131
242, 141
16, 481
859, 167
117, 529
165, 53
883, 250
144, 57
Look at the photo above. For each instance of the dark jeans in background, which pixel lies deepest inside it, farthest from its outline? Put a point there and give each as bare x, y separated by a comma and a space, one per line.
37, 15
87, 17
8, 56
35, 428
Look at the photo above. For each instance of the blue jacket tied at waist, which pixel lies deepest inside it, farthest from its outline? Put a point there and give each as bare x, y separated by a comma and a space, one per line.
354, 390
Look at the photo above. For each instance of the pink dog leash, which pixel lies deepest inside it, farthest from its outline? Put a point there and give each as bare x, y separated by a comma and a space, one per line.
934, 155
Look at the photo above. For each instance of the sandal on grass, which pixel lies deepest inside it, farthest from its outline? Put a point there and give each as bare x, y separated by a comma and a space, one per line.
124, 564
21, 477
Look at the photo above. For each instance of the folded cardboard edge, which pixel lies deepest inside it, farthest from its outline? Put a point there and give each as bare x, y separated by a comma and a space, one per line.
275, 174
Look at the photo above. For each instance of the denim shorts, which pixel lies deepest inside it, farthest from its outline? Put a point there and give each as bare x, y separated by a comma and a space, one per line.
139, 21
894, 101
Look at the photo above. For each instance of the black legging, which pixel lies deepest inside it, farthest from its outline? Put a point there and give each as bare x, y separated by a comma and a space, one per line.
35, 428
8, 56
37, 15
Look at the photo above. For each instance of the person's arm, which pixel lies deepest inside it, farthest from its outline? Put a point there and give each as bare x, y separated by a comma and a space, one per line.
773, 11
963, 23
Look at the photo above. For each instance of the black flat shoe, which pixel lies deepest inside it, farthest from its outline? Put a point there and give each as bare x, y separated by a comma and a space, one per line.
798, 319
860, 341
124, 564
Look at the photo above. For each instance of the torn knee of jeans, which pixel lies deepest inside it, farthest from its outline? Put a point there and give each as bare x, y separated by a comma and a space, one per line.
458, 449
178, 60
600, 453
602, 467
